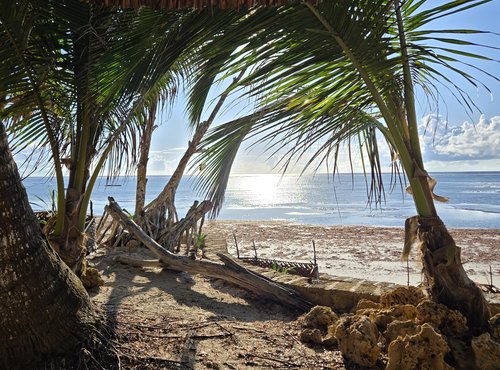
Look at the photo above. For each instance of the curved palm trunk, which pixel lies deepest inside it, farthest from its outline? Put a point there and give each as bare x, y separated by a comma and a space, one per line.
445, 277
164, 203
44, 308
161, 212
140, 193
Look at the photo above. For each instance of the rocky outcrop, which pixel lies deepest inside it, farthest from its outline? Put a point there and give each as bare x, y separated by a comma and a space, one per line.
358, 339
383, 317
320, 317
312, 336
495, 327
461, 356
402, 296
448, 322
486, 352
417, 333
364, 304
399, 328
318, 321
424, 350
90, 276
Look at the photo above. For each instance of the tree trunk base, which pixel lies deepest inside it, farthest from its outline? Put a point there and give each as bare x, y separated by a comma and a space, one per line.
445, 277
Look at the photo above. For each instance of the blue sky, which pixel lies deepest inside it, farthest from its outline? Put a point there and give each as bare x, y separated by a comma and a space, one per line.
456, 141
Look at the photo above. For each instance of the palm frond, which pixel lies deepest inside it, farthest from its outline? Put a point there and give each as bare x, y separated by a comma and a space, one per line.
338, 71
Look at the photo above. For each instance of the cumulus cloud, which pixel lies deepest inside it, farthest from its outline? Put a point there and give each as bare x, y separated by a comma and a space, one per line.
164, 162
445, 142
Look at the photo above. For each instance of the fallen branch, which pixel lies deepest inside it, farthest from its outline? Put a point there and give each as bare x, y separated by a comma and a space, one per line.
138, 262
229, 271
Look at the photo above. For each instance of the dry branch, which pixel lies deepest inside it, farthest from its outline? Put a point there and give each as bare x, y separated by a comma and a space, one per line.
229, 271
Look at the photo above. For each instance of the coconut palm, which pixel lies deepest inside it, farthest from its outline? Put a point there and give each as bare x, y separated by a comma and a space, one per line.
341, 71
32, 277
80, 79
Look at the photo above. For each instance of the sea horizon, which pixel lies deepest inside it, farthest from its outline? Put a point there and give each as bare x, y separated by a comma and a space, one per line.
310, 199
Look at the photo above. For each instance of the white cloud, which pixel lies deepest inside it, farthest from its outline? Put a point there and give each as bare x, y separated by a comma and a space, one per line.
164, 162
467, 142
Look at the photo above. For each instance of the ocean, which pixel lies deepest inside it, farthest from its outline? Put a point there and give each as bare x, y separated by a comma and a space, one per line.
474, 198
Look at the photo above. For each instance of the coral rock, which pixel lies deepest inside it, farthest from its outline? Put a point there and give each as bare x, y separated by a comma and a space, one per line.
90, 277
320, 317
449, 322
366, 303
424, 350
461, 355
495, 327
400, 329
486, 352
402, 296
357, 338
329, 341
311, 336
385, 316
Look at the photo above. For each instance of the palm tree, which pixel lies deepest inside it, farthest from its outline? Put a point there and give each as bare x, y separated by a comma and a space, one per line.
341, 71
44, 308
80, 79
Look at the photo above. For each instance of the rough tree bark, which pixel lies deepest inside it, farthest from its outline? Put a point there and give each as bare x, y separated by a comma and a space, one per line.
447, 281
161, 212
44, 308
140, 193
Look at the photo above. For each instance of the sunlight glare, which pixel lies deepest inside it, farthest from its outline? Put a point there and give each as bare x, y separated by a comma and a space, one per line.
260, 189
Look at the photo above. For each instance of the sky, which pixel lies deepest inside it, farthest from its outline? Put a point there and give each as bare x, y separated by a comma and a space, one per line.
454, 140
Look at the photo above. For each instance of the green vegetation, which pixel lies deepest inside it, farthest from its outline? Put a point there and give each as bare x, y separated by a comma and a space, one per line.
79, 80
343, 73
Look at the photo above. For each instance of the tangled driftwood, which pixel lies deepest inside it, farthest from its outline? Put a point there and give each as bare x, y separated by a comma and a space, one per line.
228, 270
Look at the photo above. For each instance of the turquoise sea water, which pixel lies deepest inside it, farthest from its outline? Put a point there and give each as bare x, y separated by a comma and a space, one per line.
474, 198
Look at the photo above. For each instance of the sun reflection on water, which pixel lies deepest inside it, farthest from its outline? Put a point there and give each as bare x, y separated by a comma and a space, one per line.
259, 189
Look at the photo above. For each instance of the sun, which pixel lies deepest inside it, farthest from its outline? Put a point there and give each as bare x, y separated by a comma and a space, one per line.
260, 189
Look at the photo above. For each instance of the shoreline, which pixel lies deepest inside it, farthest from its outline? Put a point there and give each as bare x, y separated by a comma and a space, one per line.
366, 252
284, 221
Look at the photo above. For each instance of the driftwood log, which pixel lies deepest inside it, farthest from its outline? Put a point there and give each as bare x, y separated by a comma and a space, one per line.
229, 270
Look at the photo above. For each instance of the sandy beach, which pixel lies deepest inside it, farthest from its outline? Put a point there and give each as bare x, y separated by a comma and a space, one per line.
167, 319
371, 253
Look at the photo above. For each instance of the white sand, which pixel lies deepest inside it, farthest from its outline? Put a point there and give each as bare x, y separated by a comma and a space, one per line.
371, 253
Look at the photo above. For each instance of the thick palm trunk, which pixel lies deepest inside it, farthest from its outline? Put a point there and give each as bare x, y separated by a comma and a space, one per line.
44, 308
70, 245
446, 279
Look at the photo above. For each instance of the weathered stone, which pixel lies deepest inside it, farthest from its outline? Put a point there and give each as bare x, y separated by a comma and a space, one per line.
383, 317
331, 330
495, 327
399, 328
449, 322
402, 296
329, 341
90, 277
487, 352
320, 317
357, 338
311, 336
366, 303
424, 350
461, 356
